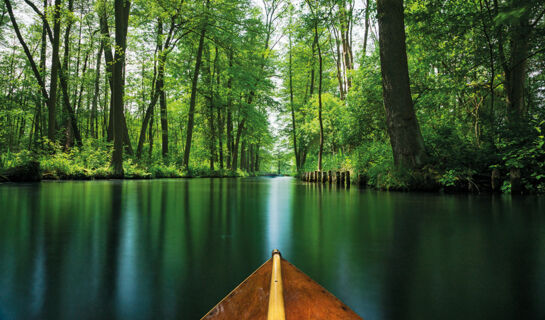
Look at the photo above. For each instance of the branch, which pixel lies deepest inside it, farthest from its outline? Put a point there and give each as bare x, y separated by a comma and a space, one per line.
35, 70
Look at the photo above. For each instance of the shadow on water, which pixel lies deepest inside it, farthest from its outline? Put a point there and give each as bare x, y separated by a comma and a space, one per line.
174, 248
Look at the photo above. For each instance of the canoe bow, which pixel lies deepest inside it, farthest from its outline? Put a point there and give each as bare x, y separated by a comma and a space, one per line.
276, 291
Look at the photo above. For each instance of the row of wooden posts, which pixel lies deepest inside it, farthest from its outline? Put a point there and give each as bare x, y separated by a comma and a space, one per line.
339, 177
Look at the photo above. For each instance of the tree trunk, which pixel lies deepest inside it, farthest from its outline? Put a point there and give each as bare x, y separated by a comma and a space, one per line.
66, 68
320, 71
520, 44
403, 129
193, 99
230, 116
237, 143
94, 123
366, 30
294, 132
161, 89
122, 9
109, 59
52, 124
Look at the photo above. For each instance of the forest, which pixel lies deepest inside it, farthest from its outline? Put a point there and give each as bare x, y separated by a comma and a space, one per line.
406, 95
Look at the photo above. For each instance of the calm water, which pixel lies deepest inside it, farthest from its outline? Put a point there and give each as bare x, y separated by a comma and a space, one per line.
173, 248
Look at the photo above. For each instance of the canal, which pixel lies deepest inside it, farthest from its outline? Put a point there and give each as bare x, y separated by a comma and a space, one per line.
171, 249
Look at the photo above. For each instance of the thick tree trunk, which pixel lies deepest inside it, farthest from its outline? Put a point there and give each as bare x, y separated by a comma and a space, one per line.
403, 129
520, 44
109, 59
193, 98
122, 9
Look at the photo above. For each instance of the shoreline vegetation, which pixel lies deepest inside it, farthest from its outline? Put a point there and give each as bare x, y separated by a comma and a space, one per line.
69, 167
406, 95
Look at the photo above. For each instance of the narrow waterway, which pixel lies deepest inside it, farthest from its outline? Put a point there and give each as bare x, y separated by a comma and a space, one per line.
171, 249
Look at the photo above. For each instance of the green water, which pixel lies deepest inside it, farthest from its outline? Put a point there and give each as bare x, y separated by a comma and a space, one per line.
166, 249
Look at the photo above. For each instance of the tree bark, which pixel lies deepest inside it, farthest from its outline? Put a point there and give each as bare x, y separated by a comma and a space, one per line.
292, 107
520, 44
366, 28
320, 71
193, 98
122, 9
403, 129
52, 123
94, 122
161, 89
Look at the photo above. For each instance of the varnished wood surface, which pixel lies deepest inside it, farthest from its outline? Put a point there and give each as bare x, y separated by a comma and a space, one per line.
250, 300
276, 296
306, 299
303, 298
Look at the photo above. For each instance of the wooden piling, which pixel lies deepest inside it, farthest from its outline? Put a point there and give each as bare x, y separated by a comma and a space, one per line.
348, 179
329, 176
337, 177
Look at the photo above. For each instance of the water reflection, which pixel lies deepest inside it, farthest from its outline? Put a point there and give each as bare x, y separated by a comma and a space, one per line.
173, 248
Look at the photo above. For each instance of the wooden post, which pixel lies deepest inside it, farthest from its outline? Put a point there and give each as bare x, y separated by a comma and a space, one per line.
329, 176
516, 185
342, 178
348, 179
337, 177
316, 174
495, 180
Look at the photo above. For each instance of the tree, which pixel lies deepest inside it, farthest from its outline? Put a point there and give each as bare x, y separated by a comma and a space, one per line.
122, 9
192, 101
405, 136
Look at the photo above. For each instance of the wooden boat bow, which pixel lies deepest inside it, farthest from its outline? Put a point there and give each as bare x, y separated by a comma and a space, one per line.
276, 291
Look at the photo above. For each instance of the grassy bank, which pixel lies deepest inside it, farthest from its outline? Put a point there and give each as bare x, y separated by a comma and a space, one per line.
93, 162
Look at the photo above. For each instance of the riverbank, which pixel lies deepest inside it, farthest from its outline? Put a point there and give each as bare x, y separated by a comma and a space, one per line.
34, 171
429, 179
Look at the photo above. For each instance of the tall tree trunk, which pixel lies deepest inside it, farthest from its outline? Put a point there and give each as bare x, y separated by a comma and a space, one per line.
193, 99
517, 75
218, 111
292, 107
145, 121
52, 124
230, 116
320, 71
229, 137
40, 124
210, 113
338, 63
94, 123
66, 70
234, 160
161, 89
366, 28
122, 9
109, 59
403, 129
346, 25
